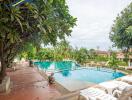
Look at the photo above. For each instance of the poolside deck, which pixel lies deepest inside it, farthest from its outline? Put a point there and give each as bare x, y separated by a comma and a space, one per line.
28, 84
75, 85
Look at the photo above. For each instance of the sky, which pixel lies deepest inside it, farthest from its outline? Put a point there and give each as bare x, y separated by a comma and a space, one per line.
94, 22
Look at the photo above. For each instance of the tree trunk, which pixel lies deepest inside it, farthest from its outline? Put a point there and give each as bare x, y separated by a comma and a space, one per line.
3, 71
3, 64
30, 63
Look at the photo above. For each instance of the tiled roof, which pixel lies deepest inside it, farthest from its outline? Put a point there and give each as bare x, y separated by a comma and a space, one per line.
102, 52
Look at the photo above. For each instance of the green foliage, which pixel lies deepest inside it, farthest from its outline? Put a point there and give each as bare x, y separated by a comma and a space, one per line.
122, 63
58, 57
31, 51
101, 58
126, 59
63, 48
113, 62
80, 55
45, 54
37, 22
92, 54
121, 33
54, 20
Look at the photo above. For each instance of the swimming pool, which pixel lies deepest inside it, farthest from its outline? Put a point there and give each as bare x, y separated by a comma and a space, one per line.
73, 77
89, 74
93, 75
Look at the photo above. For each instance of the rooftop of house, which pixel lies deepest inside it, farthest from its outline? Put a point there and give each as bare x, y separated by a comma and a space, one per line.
102, 52
122, 55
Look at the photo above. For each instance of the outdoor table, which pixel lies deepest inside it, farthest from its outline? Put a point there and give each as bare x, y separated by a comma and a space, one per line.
109, 86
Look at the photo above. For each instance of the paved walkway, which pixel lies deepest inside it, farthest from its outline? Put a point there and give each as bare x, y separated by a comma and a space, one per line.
28, 84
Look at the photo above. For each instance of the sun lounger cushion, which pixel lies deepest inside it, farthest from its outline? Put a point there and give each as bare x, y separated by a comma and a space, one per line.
96, 94
127, 78
126, 93
121, 85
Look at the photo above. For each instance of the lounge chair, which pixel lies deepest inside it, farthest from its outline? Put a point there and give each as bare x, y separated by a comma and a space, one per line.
125, 94
114, 85
96, 94
121, 85
127, 79
109, 86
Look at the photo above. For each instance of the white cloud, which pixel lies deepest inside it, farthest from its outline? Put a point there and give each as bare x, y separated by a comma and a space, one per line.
95, 18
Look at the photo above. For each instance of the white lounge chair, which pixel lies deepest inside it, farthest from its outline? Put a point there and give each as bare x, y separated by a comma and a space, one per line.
121, 85
114, 85
96, 94
109, 86
127, 79
125, 94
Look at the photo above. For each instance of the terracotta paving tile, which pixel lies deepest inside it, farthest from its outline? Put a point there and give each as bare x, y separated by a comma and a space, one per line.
28, 84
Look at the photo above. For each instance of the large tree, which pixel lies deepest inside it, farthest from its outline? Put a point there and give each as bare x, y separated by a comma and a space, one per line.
35, 22
121, 33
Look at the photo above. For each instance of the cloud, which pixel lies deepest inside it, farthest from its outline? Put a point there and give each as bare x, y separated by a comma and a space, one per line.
95, 18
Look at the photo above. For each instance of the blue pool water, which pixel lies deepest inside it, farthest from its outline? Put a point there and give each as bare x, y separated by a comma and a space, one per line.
93, 75
56, 66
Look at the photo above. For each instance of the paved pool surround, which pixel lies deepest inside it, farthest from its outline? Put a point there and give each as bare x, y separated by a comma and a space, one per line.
28, 84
